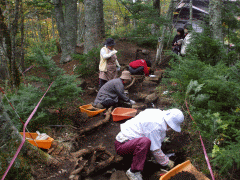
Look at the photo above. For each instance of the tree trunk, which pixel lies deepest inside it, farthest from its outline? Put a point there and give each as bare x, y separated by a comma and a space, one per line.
161, 42
39, 30
67, 27
81, 26
14, 30
9, 48
29, 154
22, 37
191, 12
91, 32
53, 29
71, 24
215, 8
154, 27
100, 18
157, 5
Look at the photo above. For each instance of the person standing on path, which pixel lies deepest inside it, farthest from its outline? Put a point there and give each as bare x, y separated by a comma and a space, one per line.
187, 40
176, 43
146, 132
108, 63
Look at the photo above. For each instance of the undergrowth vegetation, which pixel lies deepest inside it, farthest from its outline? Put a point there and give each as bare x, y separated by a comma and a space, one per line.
89, 62
63, 90
208, 80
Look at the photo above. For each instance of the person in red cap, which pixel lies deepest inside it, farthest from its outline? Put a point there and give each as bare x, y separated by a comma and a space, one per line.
139, 67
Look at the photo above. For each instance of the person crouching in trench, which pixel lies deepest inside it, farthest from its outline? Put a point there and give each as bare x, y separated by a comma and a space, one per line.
112, 93
146, 132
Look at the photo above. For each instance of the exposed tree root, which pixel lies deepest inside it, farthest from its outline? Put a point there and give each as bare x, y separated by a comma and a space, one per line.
107, 118
91, 160
80, 167
133, 81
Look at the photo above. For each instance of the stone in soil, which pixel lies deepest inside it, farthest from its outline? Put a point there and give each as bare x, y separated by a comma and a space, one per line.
119, 175
184, 175
149, 83
151, 98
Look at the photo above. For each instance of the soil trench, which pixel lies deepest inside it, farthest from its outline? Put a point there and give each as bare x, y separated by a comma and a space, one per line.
104, 135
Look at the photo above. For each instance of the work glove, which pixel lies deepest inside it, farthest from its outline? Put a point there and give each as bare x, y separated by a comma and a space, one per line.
166, 139
113, 52
170, 164
132, 102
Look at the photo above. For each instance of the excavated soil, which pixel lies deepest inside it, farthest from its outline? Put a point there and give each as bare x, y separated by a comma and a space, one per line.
105, 134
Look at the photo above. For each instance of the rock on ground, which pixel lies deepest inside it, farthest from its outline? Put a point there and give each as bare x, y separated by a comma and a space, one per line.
149, 83
140, 96
151, 98
119, 175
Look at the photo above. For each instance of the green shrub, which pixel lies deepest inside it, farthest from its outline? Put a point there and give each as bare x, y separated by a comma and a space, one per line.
24, 102
20, 169
213, 94
63, 90
206, 48
89, 63
48, 47
226, 157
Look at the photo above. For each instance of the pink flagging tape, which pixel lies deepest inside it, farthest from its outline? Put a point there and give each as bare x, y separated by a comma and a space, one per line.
24, 127
204, 150
28, 69
17, 115
206, 157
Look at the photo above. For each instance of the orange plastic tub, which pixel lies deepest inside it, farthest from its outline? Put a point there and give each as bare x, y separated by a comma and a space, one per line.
185, 166
45, 144
120, 113
86, 109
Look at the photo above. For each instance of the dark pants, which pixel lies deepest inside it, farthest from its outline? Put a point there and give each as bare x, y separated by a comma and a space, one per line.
109, 102
177, 49
137, 71
138, 148
101, 82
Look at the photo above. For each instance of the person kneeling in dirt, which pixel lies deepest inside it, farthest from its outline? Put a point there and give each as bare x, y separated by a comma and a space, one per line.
146, 132
112, 93
139, 67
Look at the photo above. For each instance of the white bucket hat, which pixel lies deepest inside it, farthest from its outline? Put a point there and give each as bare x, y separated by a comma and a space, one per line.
126, 75
174, 118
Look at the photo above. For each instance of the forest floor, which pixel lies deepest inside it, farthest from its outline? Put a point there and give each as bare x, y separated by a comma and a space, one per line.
71, 140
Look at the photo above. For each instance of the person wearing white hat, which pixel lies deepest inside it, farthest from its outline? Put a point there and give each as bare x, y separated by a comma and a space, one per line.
113, 91
146, 132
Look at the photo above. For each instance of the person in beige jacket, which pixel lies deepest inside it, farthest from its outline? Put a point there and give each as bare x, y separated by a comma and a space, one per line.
109, 65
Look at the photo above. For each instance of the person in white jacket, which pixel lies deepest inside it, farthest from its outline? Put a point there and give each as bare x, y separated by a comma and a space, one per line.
186, 41
145, 133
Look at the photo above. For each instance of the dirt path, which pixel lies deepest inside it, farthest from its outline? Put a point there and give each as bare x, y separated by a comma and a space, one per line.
105, 134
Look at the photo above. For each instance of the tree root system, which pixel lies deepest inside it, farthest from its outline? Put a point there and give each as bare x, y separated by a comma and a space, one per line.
91, 160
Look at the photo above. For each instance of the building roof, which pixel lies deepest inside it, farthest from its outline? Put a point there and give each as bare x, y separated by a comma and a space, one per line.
200, 5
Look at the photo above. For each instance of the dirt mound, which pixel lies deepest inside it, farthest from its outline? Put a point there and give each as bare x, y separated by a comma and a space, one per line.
184, 175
